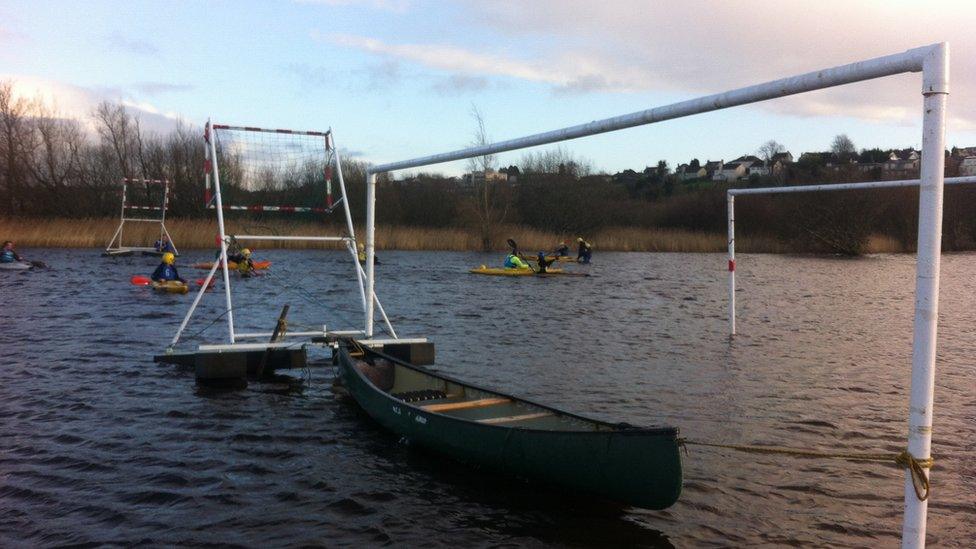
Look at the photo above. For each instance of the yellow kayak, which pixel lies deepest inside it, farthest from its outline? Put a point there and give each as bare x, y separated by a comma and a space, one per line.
171, 287
498, 271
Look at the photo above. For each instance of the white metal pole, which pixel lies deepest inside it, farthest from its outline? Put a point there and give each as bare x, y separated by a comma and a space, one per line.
125, 183
360, 277
731, 222
223, 234
370, 250
935, 89
346, 209
196, 301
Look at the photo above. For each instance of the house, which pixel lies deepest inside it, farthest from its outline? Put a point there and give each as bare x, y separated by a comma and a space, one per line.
967, 166
736, 169
691, 171
479, 177
901, 164
712, 166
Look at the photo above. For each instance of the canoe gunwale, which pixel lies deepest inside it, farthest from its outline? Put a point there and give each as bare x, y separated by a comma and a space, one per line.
615, 428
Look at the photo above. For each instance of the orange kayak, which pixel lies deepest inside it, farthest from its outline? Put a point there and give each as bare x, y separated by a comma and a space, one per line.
258, 265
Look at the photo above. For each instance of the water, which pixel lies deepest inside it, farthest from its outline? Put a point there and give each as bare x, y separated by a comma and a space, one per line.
100, 445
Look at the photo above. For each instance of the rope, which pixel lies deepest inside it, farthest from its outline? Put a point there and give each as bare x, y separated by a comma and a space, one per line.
904, 459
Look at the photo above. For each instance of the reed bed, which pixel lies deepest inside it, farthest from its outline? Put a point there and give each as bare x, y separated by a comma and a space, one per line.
200, 234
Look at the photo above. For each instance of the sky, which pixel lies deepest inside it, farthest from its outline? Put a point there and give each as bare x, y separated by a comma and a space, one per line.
397, 79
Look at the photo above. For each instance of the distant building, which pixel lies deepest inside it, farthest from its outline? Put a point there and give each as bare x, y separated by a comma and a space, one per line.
736, 169
712, 166
477, 178
691, 171
967, 166
901, 164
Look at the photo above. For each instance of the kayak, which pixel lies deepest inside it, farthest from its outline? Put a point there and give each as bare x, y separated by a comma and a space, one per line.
171, 287
258, 265
15, 266
560, 259
639, 466
497, 271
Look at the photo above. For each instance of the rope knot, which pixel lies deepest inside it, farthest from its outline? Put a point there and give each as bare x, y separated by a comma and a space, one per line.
920, 479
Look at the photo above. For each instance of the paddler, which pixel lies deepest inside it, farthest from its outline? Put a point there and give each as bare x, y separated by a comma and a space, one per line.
562, 250
164, 245
245, 266
544, 263
513, 261
361, 254
585, 251
167, 270
8, 254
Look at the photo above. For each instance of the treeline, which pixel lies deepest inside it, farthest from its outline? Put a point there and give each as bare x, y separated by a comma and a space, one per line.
51, 165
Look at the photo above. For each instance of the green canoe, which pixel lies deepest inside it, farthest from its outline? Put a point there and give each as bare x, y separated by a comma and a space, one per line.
632, 465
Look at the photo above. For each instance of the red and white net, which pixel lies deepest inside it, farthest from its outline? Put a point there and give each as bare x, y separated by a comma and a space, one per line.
273, 170
145, 198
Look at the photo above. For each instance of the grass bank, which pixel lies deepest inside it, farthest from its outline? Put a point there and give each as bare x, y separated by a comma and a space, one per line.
199, 234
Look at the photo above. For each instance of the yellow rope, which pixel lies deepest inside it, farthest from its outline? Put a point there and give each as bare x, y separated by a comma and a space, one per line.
904, 459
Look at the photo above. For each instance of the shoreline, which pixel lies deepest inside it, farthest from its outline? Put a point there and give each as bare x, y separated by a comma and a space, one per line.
190, 234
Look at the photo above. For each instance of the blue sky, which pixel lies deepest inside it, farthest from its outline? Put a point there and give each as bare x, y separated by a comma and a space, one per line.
398, 78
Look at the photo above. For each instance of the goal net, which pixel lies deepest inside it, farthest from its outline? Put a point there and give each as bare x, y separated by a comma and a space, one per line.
263, 170
144, 201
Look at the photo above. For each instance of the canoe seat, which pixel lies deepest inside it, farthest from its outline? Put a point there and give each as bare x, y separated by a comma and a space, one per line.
466, 404
509, 419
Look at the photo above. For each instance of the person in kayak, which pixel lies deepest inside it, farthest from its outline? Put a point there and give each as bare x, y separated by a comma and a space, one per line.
8, 254
544, 263
513, 261
562, 250
167, 270
585, 252
245, 266
164, 245
362, 255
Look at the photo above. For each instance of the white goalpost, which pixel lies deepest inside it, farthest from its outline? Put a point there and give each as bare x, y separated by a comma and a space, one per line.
249, 169
730, 219
933, 62
143, 201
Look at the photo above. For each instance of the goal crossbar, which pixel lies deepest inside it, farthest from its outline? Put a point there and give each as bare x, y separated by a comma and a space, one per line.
933, 62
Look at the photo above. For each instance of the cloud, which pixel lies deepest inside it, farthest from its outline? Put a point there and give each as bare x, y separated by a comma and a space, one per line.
118, 41
699, 47
157, 88
78, 102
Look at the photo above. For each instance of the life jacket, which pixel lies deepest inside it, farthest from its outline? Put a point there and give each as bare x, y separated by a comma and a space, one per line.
7, 256
165, 272
514, 262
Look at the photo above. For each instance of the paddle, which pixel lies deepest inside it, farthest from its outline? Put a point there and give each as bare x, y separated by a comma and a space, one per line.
139, 280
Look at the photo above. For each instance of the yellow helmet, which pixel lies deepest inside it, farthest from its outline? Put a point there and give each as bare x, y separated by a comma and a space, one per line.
362, 247
169, 258
246, 252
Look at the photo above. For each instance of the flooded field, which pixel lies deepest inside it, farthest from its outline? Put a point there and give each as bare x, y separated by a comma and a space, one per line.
99, 445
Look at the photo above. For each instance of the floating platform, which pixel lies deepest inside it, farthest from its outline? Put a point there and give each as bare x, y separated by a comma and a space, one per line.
125, 252
250, 361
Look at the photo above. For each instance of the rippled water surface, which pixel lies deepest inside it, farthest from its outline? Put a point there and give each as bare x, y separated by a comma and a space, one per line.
100, 445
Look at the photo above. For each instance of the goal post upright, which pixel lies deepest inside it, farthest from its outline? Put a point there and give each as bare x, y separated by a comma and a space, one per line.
930, 60
214, 166
115, 245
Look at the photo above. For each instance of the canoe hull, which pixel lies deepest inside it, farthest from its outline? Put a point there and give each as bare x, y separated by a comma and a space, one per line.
15, 266
640, 467
171, 287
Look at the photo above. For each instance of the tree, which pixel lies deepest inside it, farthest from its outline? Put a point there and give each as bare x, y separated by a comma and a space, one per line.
843, 147
16, 138
491, 202
770, 149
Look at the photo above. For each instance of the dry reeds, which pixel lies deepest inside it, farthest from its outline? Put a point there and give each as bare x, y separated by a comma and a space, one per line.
197, 233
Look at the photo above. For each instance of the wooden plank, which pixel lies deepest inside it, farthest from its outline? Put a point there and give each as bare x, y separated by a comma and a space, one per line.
507, 419
480, 403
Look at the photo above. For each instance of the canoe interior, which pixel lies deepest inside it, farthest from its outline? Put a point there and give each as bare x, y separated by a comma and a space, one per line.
444, 396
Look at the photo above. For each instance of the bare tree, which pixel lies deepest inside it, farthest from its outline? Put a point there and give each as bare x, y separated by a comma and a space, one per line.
842, 145
16, 140
118, 130
56, 159
492, 201
770, 149
556, 161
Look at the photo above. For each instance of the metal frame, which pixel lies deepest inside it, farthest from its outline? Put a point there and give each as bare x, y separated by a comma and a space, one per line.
213, 170
933, 62
732, 193
125, 206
